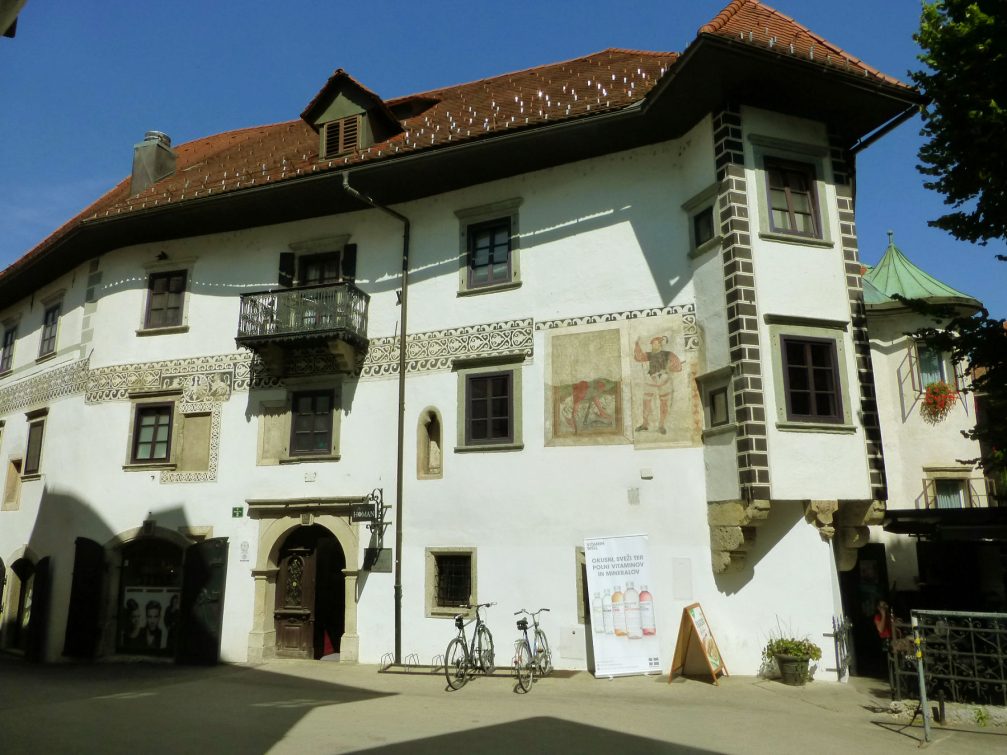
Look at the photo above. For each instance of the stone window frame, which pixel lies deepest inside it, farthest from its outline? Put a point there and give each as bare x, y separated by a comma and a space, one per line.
433, 609
281, 407
163, 267
796, 153
140, 400
822, 330
471, 217
704, 200
467, 368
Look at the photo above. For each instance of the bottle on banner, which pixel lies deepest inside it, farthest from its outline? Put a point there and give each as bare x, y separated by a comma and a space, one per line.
606, 612
631, 608
618, 612
597, 622
647, 611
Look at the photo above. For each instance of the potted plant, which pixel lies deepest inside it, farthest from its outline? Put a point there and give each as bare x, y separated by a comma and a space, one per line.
792, 655
938, 400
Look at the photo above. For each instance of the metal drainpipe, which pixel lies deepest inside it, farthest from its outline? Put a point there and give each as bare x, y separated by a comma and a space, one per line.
400, 451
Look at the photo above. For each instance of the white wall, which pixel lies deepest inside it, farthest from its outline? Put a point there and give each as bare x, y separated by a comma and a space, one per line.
600, 236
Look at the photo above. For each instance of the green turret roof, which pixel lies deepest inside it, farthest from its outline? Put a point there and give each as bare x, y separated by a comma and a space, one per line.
896, 275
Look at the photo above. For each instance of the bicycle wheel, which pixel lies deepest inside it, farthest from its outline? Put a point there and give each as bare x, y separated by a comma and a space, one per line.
524, 666
456, 664
484, 649
543, 654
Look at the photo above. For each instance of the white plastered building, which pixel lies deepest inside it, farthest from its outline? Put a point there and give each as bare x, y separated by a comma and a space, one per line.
633, 306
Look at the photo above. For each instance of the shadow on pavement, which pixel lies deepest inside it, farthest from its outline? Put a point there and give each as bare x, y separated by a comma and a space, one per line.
131, 707
537, 735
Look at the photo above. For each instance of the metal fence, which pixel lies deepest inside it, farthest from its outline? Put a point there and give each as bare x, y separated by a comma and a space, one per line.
841, 628
964, 657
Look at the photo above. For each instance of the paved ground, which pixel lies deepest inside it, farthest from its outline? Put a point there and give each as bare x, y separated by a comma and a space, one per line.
316, 707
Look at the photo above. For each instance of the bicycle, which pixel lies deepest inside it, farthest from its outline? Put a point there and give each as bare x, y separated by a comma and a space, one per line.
534, 656
461, 659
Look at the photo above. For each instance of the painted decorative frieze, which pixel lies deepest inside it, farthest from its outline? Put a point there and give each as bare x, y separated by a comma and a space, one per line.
218, 374
690, 331
39, 390
438, 349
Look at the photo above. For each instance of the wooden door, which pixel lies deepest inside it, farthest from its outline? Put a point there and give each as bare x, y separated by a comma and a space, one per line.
194, 630
295, 604
38, 621
82, 622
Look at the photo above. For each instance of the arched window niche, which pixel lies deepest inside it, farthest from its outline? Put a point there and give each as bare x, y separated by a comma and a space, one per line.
429, 445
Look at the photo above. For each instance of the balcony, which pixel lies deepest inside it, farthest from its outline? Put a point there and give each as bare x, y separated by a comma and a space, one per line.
958, 493
334, 315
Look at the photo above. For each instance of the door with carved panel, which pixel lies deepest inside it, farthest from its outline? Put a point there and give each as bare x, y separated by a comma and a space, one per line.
295, 603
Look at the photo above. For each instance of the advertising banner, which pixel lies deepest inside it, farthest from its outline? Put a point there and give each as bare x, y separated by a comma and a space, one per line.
623, 627
148, 619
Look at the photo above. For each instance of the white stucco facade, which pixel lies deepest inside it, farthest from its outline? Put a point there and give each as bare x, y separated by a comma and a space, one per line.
652, 371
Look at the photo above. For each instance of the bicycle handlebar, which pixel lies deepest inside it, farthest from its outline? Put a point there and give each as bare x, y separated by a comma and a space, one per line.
530, 613
479, 605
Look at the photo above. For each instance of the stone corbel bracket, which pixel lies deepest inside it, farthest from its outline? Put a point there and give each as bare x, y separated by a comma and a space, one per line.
846, 524
732, 531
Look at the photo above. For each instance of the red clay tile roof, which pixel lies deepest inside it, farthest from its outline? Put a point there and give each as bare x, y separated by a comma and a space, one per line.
752, 22
605, 81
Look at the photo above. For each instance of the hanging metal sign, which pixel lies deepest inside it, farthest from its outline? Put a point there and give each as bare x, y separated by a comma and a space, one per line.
362, 512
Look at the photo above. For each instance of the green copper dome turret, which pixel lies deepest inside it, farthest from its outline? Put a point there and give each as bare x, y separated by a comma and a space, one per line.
896, 275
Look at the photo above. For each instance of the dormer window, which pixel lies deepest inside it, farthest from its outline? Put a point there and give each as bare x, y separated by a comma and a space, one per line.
348, 117
340, 136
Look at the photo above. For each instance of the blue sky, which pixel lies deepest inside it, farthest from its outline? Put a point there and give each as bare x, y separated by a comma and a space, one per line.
84, 79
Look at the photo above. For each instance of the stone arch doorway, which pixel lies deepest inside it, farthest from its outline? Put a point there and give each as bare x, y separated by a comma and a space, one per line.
284, 526
309, 616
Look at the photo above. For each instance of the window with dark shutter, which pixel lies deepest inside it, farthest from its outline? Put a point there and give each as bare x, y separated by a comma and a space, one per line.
152, 433
811, 380
165, 299
33, 454
7, 356
340, 136
489, 408
793, 204
489, 253
311, 423
50, 325
702, 226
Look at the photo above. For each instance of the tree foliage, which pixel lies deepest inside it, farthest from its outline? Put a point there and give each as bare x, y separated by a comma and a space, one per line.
964, 46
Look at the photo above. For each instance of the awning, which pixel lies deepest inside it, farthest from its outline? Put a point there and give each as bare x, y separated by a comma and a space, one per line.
975, 525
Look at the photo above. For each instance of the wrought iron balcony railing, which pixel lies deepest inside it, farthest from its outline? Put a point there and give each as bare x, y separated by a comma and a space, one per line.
958, 493
326, 312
